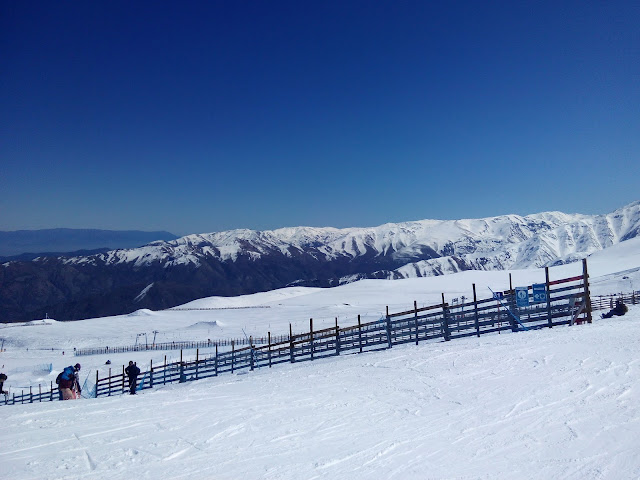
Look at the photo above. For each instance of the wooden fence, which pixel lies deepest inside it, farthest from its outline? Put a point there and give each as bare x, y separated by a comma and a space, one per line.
559, 302
602, 302
184, 345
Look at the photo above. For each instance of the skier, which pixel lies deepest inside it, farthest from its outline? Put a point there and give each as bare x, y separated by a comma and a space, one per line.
69, 382
132, 372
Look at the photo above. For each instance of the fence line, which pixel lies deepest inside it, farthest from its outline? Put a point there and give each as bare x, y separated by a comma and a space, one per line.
601, 302
560, 302
181, 345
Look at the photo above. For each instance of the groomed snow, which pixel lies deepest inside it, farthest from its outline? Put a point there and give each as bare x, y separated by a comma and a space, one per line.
559, 403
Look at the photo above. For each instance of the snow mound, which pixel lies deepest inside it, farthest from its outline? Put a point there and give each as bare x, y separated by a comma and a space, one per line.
252, 300
204, 325
143, 312
44, 321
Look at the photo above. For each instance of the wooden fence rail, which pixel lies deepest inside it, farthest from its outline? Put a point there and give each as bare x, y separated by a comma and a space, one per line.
182, 345
564, 302
602, 302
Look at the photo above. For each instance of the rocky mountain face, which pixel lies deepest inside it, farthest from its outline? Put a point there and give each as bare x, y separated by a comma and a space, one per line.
164, 274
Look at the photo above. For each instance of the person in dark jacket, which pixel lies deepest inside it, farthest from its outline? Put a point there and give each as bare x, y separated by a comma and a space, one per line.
69, 382
619, 310
132, 372
3, 378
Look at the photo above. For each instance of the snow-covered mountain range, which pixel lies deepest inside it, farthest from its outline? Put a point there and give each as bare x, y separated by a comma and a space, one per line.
423, 248
165, 273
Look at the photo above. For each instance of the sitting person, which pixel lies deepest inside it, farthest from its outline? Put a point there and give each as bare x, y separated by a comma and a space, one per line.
619, 310
3, 378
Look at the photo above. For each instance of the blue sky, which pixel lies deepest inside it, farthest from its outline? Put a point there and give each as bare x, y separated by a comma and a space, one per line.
196, 117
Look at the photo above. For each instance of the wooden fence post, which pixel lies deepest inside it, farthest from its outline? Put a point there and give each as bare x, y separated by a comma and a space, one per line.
585, 279
550, 318
337, 338
181, 378
311, 337
291, 344
251, 353
233, 354
109, 382
388, 327
197, 361
269, 348
151, 373
96, 383
475, 310
445, 320
415, 310
51, 393
360, 333
513, 306
215, 362
40, 392
123, 377
164, 371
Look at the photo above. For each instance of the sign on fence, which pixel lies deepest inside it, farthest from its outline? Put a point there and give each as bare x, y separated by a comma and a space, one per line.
539, 292
522, 296
498, 295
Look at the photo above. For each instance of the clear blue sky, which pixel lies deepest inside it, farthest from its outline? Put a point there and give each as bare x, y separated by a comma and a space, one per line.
196, 117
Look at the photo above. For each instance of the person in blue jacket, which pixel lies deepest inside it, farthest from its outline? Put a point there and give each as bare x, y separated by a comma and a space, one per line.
69, 382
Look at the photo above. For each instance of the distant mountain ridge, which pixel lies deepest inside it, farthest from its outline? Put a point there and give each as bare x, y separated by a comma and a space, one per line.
163, 274
504, 242
64, 240
27, 257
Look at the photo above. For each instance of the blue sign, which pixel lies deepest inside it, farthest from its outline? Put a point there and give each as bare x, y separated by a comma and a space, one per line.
498, 295
522, 296
539, 292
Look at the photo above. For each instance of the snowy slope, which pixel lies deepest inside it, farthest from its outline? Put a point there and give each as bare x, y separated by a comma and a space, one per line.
560, 403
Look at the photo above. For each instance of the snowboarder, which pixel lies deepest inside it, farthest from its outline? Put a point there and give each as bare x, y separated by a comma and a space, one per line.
132, 372
619, 310
69, 382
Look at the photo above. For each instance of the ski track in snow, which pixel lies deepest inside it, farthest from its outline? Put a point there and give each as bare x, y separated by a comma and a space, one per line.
555, 403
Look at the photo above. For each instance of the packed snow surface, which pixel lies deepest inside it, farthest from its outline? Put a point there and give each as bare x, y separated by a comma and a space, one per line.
553, 403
